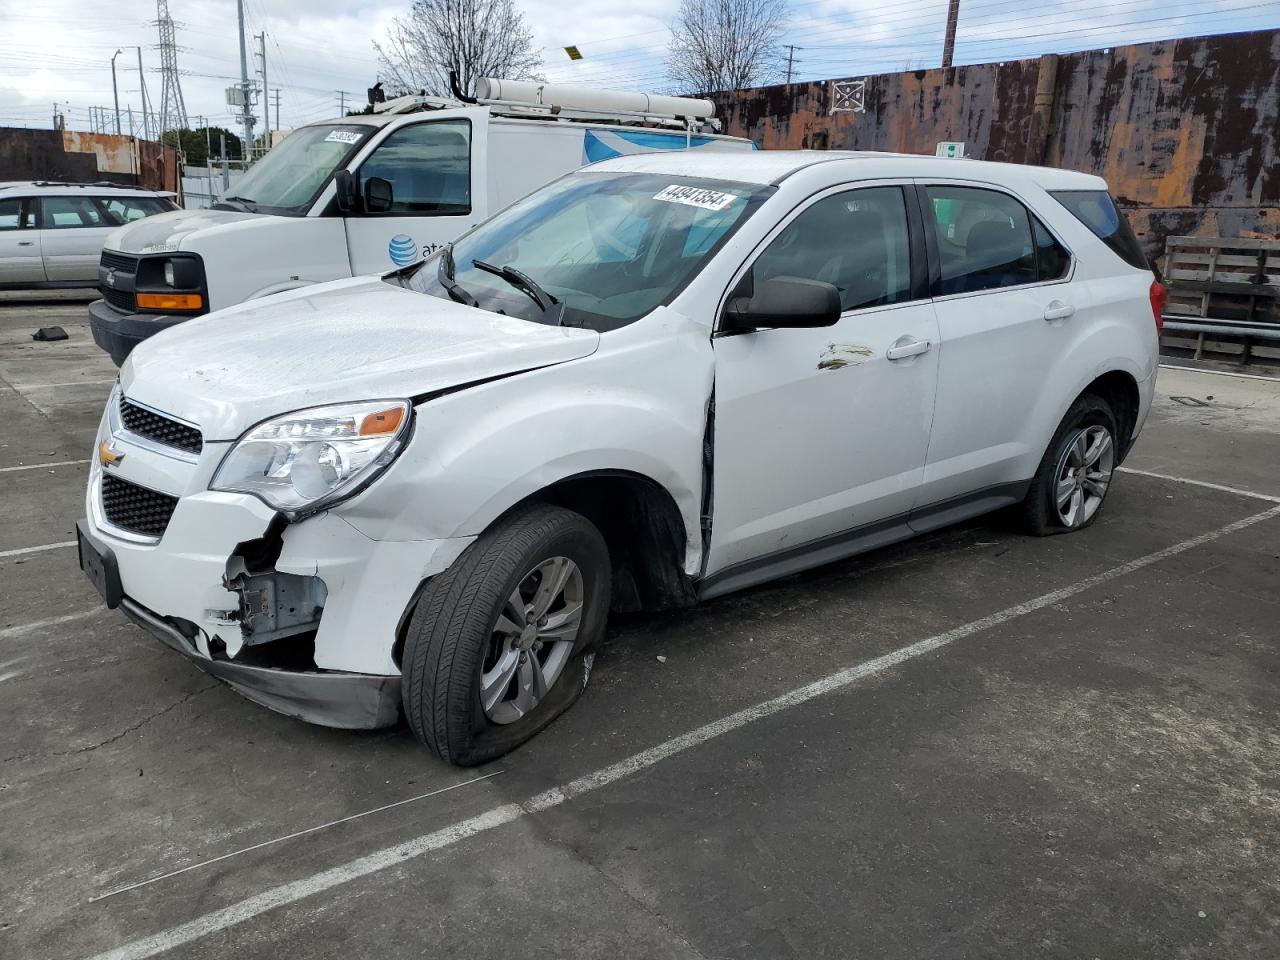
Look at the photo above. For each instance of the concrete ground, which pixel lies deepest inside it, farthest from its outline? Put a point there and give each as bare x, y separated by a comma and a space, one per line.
973, 745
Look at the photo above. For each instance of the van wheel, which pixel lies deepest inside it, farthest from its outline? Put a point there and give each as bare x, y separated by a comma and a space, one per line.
501, 643
1076, 472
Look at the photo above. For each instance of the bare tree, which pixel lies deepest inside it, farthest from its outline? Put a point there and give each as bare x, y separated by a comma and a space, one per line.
477, 38
726, 44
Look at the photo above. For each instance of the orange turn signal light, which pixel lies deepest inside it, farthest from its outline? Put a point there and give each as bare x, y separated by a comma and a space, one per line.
382, 422
170, 301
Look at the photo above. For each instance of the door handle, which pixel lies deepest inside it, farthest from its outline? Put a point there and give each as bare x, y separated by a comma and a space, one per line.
26, 243
1057, 310
907, 348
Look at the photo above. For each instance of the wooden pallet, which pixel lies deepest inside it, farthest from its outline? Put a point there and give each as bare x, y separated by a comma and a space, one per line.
1223, 282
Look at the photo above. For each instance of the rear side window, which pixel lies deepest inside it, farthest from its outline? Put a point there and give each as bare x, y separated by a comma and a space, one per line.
984, 239
1097, 211
1052, 259
120, 210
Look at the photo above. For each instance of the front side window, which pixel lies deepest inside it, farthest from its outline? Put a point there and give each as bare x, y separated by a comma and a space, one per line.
856, 241
61, 212
287, 180
607, 248
984, 239
428, 166
11, 214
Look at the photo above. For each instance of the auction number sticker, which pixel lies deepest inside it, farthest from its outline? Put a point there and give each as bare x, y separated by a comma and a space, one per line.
342, 136
696, 197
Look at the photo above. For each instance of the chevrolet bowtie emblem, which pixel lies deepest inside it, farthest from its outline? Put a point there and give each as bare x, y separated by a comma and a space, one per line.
111, 278
108, 455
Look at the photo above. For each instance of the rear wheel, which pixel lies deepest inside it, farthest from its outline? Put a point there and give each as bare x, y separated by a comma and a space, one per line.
1076, 472
502, 643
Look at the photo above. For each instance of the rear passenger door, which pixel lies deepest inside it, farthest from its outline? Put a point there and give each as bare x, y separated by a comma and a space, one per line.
1004, 305
821, 433
19, 243
72, 231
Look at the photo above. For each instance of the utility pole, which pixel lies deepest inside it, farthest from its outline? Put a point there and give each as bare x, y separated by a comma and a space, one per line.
142, 83
949, 41
246, 117
115, 91
266, 98
277, 108
342, 103
791, 49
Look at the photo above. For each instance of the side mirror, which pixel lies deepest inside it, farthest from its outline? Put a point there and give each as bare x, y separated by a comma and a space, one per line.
378, 195
344, 183
784, 302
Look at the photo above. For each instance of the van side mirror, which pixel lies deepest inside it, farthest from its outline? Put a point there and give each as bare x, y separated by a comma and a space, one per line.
378, 195
344, 183
782, 302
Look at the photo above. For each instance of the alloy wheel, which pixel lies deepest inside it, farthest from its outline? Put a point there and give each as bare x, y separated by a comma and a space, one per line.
1083, 475
531, 640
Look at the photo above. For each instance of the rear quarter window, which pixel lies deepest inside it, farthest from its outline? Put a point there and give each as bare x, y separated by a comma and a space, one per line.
1097, 211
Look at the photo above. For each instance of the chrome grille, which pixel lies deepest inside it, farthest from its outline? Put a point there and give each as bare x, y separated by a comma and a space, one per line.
161, 429
134, 508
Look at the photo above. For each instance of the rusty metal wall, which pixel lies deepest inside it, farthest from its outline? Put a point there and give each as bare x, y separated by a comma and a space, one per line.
1186, 132
75, 156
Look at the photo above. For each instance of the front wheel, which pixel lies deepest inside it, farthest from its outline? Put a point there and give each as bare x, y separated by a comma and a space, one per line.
1076, 472
502, 642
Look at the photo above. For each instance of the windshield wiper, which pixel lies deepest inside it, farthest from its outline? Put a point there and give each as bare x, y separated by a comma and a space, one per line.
521, 281
444, 273
245, 203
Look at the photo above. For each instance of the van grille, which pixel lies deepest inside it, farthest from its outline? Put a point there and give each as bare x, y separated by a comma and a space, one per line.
158, 427
125, 267
134, 508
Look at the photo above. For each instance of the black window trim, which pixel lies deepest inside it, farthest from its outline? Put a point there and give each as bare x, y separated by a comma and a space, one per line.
931, 240
471, 171
918, 260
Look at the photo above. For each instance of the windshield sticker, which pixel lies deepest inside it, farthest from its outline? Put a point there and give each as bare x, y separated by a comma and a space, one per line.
696, 197
343, 136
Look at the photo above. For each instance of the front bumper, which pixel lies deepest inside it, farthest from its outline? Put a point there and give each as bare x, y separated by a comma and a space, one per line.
118, 333
351, 701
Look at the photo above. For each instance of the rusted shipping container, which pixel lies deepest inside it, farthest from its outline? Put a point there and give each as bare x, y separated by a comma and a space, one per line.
72, 155
1187, 132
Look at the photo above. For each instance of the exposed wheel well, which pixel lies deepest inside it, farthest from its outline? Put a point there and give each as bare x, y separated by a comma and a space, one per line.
644, 531
1120, 390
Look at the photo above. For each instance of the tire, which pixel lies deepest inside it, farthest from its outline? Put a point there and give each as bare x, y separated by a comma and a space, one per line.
463, 633
1089, 420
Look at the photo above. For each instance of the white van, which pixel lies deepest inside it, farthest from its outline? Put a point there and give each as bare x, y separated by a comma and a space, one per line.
368, 194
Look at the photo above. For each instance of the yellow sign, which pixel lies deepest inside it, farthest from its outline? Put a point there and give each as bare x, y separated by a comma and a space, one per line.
573, 52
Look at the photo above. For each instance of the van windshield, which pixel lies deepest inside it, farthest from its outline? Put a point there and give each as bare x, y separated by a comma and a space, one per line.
288, 178
601, 249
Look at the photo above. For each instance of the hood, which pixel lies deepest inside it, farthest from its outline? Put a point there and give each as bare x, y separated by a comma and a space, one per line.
359, 339
165, 232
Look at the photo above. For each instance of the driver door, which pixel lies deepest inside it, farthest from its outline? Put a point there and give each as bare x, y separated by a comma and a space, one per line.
821, 434
437, 174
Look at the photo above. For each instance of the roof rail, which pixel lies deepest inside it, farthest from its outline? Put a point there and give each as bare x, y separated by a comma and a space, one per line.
85, 183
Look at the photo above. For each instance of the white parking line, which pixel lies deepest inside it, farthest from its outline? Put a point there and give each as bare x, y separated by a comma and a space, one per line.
291, 836
296, 890
22, 551
1201, 483
43, 466
25, 628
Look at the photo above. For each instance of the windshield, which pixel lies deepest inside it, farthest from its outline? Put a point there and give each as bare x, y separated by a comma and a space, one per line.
288, 178
601, 249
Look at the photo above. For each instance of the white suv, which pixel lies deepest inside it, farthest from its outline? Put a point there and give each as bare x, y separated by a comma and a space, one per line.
658, 380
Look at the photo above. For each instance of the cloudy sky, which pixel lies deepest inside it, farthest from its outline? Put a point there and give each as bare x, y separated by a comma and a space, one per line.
60, 50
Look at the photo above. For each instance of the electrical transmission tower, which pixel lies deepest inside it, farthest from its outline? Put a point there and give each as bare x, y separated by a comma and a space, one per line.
173, 112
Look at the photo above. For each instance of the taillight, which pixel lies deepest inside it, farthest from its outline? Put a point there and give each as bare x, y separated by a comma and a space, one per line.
1159, 297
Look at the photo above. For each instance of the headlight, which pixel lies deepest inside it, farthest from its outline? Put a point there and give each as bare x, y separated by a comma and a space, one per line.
302, 462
